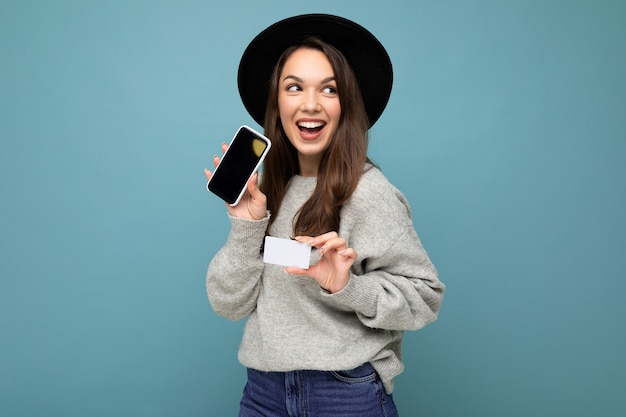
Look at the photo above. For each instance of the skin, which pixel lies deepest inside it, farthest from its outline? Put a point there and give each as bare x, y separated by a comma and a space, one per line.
307, 97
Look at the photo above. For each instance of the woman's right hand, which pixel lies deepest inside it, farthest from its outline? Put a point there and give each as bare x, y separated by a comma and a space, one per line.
253, 204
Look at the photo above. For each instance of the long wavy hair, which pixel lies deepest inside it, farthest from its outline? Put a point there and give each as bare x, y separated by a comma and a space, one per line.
342, 163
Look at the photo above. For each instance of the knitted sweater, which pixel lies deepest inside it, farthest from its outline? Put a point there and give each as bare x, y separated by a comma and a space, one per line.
294, 324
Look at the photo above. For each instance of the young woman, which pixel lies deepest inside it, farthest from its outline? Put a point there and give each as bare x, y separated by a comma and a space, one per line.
322, 341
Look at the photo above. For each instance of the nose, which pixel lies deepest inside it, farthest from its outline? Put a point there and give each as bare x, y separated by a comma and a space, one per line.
310, 102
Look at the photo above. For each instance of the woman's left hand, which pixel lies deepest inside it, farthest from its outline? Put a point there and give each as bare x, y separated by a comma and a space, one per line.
332, 272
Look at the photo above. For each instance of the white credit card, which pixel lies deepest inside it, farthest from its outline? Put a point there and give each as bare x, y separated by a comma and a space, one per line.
286, 252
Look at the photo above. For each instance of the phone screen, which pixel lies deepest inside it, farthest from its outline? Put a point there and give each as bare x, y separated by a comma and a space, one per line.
242, 158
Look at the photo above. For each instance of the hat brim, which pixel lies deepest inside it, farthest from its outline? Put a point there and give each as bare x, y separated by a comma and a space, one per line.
366, 55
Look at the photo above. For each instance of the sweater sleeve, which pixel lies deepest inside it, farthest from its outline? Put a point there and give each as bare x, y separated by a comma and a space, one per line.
393, 285
399, 290
234, 274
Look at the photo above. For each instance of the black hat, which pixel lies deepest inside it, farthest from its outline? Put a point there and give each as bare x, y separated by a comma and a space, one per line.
364, 52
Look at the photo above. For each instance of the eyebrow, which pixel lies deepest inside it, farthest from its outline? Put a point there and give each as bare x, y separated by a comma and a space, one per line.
300, 80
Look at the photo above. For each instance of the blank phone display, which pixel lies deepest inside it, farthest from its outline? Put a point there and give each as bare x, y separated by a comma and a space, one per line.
242, 157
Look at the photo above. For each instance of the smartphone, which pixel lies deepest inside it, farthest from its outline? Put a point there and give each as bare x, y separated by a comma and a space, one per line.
242, 159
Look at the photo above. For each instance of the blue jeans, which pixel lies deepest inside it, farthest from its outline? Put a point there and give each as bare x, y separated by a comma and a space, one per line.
358, 392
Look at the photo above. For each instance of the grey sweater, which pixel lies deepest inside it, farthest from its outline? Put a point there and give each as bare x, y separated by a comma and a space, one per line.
294, 324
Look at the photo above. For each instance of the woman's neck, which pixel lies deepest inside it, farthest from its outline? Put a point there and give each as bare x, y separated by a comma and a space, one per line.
309, 165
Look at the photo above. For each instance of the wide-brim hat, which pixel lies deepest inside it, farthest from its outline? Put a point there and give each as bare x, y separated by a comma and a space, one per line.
364, 52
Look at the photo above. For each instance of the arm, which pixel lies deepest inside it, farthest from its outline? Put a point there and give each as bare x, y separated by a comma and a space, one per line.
395, 290
234, 274
376, 265
398, 290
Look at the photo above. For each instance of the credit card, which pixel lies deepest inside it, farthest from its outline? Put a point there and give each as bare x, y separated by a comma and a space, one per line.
286, 252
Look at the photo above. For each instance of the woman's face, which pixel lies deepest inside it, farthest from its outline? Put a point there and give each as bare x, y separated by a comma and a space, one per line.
308, 105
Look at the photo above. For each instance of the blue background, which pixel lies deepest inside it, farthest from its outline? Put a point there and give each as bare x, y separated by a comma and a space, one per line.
506, 130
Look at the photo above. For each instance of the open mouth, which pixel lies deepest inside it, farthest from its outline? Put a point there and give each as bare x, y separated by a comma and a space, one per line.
311, 127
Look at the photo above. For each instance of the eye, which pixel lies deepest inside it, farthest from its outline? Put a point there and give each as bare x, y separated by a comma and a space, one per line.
329, 90
293, 87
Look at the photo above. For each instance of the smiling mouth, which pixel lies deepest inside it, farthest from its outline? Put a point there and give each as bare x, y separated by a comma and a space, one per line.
310, 127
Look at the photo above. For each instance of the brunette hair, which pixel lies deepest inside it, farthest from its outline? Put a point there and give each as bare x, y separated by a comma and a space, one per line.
343, 161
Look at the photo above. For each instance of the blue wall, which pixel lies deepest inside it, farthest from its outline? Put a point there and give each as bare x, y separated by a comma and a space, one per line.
506, 130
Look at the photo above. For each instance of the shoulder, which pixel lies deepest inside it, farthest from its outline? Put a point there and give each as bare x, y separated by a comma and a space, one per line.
376, 194
377, 217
